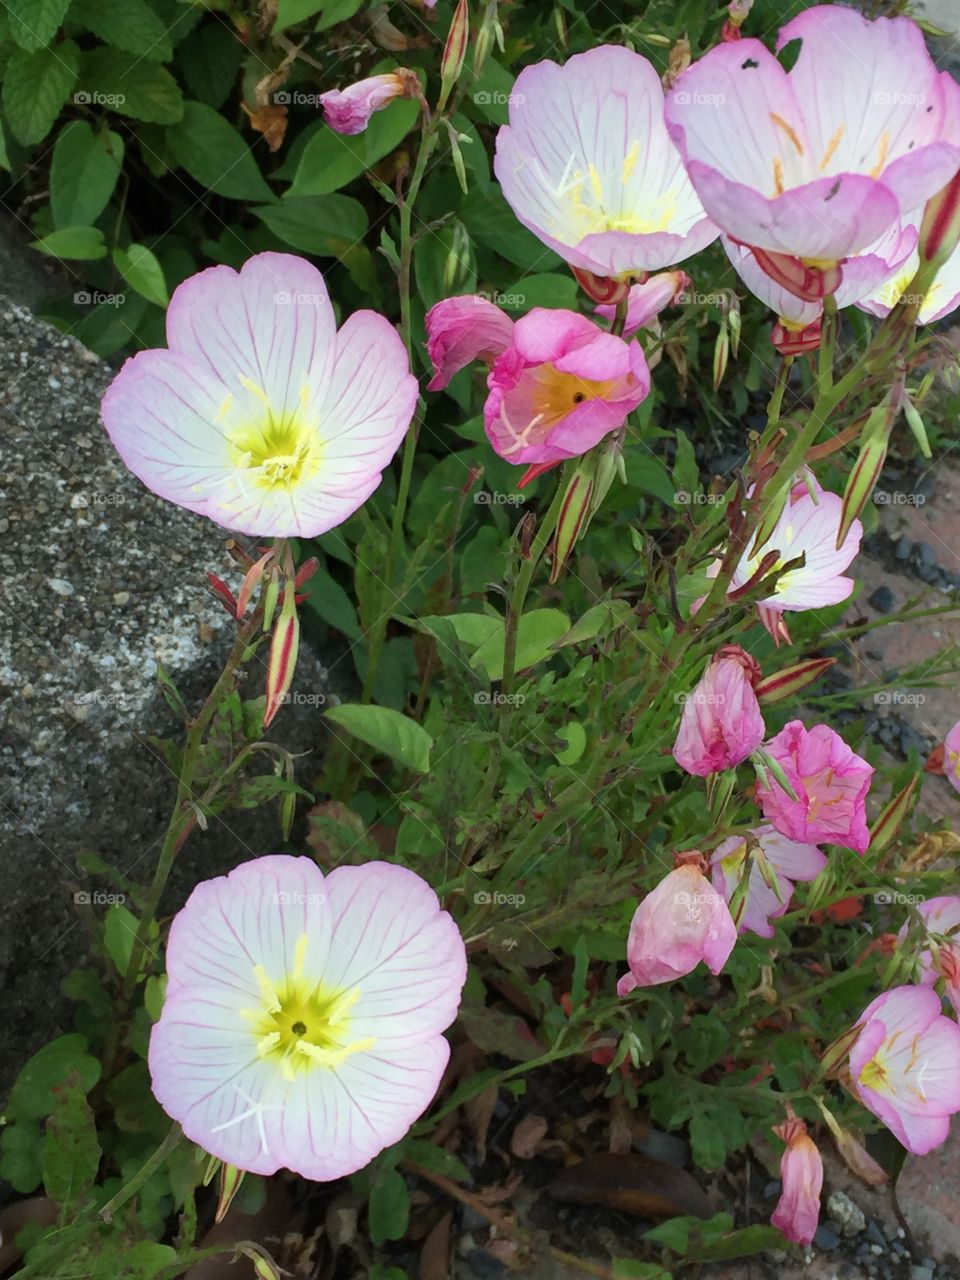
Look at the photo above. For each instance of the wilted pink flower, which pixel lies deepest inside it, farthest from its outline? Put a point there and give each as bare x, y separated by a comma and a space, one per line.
302, 1025
587, 165
903, 1066
809, 525
721, 722
790, 862
349, 110
461, 330
261, 415
801, 1172
681, 922
560, 387
646, 301
942, 917
814, 164
831, 783
940, 300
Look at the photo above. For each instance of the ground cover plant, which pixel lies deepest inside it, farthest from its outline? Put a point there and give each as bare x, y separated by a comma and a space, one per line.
601, 809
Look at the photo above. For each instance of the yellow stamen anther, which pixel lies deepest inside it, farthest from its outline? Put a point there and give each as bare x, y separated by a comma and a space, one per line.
788, 129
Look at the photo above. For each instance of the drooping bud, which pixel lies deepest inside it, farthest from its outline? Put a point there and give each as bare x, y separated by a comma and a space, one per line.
866, 469
791, 680
604, 289
893, 816
803, 280
916, 425
793, 340
230, 1179
454, 52
456, 155
853, 1152
263, 1264
940, 228
223, 594
284, 647
721, 353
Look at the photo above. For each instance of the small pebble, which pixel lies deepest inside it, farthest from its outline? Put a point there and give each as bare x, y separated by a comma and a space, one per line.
921, 1272
875, 1234
904, 547
847, 1215
61, 586
927, 554
121, 597
826, 1237
772, 1189
882, 600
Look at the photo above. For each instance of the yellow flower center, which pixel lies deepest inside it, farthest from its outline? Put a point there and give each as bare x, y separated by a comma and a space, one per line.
553, 397
302, 1023
275, 451
874, 1075
732, 863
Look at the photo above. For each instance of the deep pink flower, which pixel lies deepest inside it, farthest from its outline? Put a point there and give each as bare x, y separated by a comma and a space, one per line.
790, 862
903, 1066
831, 783
349, 110
461, 330
942, 917
818, 162
801, 1172
303, 1021
586, 164
681, 922
560, 387
261, 415
721, 722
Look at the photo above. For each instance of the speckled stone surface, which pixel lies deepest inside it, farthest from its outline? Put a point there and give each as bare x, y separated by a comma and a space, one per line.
99, 581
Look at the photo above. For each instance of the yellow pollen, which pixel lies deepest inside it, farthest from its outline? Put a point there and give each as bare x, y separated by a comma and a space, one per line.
225, 407
831, 147
299, 956
303, 1024
267, 989
255, 390
874, 1075
884, 148
630, 160
595, 183
778, 187
788, 129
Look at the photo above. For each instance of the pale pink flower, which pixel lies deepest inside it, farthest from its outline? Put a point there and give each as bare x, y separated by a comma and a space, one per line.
941, 916
942, 298
303, 1019
817, 163
681, 922
586, 164
461, 330
790, 861
261, 415
951, 756
721, 722
646, 301
903, 1066
561, 385
801, 1173
809, 524
830, 781
349, 110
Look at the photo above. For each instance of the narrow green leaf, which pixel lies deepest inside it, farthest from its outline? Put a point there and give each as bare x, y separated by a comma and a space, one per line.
119, 931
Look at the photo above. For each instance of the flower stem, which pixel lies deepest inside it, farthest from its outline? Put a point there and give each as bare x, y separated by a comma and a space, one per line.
143, 1174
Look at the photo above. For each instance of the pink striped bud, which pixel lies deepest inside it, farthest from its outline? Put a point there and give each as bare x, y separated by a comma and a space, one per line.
940, 228
605, 289
230, 1180
803, 280
284, 647
454, 51
893, 816
791, 341
251, 581
791, 680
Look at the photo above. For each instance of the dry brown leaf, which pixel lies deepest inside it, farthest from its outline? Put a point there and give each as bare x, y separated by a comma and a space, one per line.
527, 1137
677, 62
435, 1254
499, 1193
479, 1113
634, 1183
271, 121
859, 1159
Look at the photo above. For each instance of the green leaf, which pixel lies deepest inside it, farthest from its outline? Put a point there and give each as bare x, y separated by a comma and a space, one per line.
216, 155
34, 23
131, 86
142, 1261
36, 86
119, 931
20, 1156
549, 289
538, 631
32, 1093
428, 1155
71, 1152
335, 11
325, 596
490, 220
389, 1208
387, 731
209, 60
328, 226
139, 267
574, 735
290, 12
330, 160
625, 1269
600, 619
81, 243
83, 173
127, 24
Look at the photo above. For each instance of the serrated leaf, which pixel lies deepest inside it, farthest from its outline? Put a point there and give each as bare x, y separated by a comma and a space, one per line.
71, 1152
35, 87
216, 155
32, 1092
328, 226
139, 267
81, 244
387, 731
34, 23
131, 86
389, 1209
127, 24
330, 160
83, 173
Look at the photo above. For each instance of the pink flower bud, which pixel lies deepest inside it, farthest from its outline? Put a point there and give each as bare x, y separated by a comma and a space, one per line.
801, 1171
606, 289
683, 921
455, 50
721, 722
284, 646
349, 110
940, 229
461, 330
810, 283
791, 340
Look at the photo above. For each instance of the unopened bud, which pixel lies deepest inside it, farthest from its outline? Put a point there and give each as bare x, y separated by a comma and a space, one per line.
810, 283
454, 52
940, 228
721, 353
791, 680
604, 289
230, 1179
284, 647
866, 470
893, 816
